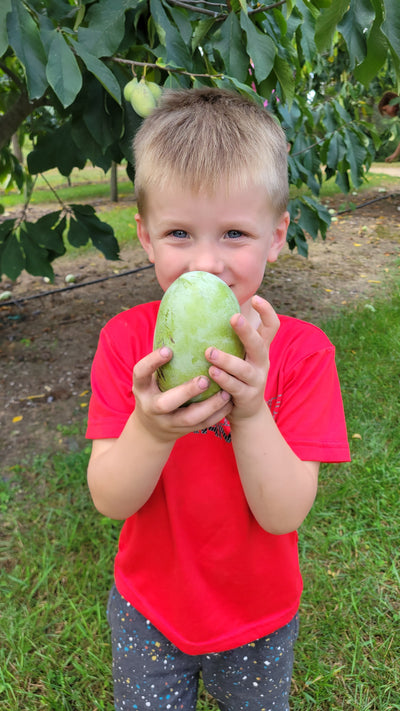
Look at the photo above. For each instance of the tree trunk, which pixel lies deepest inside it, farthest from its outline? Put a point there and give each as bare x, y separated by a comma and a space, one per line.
114, 182
16, 146
16, 114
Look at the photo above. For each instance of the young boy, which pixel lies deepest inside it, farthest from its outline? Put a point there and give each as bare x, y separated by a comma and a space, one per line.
207, 577
386, 108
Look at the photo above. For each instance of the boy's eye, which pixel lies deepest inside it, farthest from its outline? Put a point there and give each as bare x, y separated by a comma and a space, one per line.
180, 234
234, 234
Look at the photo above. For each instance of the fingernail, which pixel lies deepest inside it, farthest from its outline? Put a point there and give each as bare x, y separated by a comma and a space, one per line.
225, 396
165, 352
202, 383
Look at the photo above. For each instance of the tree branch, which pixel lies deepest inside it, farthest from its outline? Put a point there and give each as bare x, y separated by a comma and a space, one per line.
16, 114
13, 76
201, 10
221, 15
264, 8
172, 70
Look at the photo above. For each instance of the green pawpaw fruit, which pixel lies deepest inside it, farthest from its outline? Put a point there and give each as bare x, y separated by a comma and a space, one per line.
155, 89
128, 88
142, 99
194, 314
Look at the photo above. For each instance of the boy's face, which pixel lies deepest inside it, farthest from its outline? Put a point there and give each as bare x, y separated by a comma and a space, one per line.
232, 235
390, 110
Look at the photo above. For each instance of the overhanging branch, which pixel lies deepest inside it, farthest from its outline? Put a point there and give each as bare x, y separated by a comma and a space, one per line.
16, 115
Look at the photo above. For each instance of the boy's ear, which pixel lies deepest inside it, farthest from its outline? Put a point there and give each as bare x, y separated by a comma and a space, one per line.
279, 237
144, 237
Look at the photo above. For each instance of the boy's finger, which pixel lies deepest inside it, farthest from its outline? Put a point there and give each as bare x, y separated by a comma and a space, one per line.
145, 368
174, 398
269, 319
171, 401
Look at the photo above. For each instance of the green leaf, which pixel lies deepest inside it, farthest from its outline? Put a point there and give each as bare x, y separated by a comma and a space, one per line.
355, 155
342, 181
377, 52
87, 144
47, 32
98, 125
50, 152
47, 233
336, 151
353, 27
285, 76
391, 24
230, 47
101, 72
296, 238
12, 258
177, 53
306, 215
314, 218
6, 228
260, 48
36, 257
63, 73
77, 233
200, 31
307, 31
182, 22
245, 89
106, 27
103, 238
5, 7
101, 234
24, 38
327, 21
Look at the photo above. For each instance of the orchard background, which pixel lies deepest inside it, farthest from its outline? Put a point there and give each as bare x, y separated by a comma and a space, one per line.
319, 65
69, 261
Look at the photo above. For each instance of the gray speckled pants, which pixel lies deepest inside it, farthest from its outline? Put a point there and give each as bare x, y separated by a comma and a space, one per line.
151, 673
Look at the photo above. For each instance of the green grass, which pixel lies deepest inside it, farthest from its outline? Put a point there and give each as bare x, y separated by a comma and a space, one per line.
85, 185
57, 558
348, 652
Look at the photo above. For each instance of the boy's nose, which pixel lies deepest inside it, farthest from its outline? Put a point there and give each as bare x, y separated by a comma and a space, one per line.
206, 260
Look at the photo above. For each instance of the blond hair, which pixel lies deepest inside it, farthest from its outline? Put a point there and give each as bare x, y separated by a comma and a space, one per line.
202, 137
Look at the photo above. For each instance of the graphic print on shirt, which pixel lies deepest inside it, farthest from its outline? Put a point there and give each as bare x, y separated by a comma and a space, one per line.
223, 429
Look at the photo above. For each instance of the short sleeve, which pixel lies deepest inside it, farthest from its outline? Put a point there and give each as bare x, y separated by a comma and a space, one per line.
124, 340
308, 405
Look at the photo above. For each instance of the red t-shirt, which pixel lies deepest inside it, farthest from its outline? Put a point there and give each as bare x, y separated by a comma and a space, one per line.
193, 559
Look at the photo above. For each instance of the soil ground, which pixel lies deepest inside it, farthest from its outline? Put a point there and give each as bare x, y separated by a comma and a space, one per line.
47, 341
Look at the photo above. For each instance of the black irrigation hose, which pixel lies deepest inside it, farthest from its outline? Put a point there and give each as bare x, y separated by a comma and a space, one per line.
150, 266
16, 301
368, 202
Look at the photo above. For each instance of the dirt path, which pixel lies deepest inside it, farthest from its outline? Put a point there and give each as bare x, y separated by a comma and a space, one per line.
47, 343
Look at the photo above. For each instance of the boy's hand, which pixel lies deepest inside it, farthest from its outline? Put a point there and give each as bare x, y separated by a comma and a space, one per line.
245, 380
161, 413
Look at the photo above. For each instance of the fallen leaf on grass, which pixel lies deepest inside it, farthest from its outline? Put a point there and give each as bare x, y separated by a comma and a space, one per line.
32, 397
17, 418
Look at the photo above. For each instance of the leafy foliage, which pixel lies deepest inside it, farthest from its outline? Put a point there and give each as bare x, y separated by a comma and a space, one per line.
63, 67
